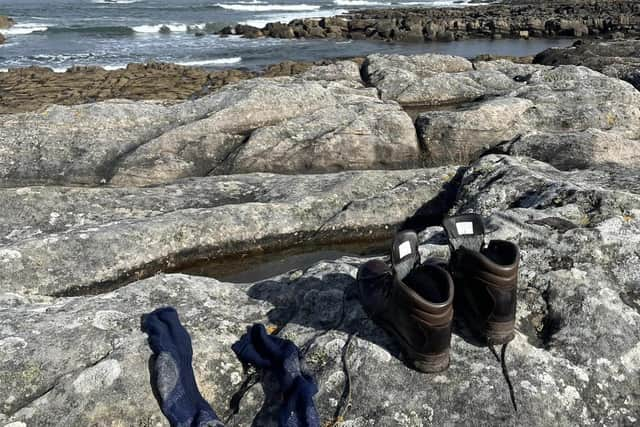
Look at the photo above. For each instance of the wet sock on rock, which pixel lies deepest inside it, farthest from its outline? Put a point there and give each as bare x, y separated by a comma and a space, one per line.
172, 375
284, 360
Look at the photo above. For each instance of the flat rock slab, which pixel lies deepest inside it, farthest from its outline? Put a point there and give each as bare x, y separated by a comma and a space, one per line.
60, 239
561, 102
259, 125
432, 80
616, 58
575, 358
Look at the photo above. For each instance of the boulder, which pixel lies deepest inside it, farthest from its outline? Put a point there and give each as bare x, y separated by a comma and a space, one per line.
279, 30
127, 233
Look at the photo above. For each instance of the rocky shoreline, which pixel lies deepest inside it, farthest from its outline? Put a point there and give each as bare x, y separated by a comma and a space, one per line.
508, 19
106, 203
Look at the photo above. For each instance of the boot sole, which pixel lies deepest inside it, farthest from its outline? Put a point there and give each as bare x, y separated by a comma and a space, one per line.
426, 363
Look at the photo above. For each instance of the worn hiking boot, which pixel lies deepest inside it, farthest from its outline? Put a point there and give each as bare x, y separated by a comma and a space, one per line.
412, 302
485, 277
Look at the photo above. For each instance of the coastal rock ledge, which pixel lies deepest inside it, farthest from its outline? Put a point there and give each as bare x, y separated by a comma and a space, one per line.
82, 361
107, 205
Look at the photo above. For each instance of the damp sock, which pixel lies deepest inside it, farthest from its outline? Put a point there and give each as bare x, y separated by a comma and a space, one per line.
172, 375
283, 360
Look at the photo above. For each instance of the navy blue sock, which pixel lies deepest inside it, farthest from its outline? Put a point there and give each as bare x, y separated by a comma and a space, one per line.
172, 374
284, 360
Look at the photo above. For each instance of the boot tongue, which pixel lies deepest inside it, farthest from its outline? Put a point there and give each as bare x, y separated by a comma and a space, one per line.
465, 231
404, 253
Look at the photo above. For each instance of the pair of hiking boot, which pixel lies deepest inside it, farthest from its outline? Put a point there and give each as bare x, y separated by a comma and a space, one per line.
415, 301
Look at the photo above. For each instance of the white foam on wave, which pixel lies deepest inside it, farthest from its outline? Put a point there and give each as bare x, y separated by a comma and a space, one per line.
360, 3
175, 28
114, 1
211, 62
259, 7
445, 3
23, 29
114, 67
288, 17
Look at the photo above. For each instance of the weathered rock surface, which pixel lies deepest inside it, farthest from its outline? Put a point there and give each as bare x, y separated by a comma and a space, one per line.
515, 19
575, 358
619, 59
253, 126
29, 89
124, 233
514, 100
576, 150
32, 88
434, 80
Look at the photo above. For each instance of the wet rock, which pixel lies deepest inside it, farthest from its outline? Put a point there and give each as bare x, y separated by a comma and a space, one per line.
248, 31
279, 30
619, 59
124, 233
574, 359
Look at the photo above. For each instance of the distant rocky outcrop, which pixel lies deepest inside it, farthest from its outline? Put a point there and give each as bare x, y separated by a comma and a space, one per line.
509, 19
619, 58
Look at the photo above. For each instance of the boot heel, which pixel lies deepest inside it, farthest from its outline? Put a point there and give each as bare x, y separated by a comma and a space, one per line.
500, 332
431, 363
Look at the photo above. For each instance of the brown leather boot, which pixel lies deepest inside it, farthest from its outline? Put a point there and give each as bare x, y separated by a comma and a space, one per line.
486, 279
412, 302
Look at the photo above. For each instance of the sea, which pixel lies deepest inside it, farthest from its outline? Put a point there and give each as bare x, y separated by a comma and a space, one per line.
60, 34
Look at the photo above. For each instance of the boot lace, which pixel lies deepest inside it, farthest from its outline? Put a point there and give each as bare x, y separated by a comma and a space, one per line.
505, 372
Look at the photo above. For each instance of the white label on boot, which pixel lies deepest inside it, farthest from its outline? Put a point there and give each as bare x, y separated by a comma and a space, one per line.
404, 249
464, 228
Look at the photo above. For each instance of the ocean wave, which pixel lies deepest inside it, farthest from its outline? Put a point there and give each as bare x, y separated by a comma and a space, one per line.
258, 7
114, 1
360, 3
288, 17
110, 30
23, 29
443, 3
211, 62
175, 28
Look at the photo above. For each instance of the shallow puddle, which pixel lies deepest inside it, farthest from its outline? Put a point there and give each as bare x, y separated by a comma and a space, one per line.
254, 267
